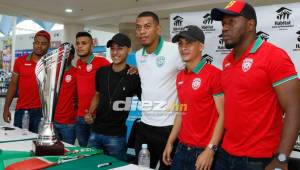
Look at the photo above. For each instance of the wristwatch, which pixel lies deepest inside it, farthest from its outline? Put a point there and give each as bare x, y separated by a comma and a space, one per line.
212, 147
281, 158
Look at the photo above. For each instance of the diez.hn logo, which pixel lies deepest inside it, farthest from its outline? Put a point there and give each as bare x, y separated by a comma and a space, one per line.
263, 35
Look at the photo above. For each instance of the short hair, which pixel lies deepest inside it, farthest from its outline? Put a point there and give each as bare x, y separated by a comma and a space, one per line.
83, 34
149, 14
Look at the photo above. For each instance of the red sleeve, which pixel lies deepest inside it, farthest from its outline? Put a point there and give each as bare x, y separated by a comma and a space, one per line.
280, 67
216, 87
17, 65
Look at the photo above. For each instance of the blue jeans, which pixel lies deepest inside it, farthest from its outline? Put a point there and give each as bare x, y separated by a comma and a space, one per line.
65, 132
112, 145
35, 116
225, 161
185, 157
83, 131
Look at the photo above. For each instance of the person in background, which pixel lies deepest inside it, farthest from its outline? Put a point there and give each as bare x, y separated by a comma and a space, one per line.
261, 94
66, 107
87, 65
24, 81
114, 90
158, 62
200, 126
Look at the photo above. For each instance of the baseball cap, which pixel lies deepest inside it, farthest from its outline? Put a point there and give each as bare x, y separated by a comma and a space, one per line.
44, 34
234, 8
120, 39
190, 32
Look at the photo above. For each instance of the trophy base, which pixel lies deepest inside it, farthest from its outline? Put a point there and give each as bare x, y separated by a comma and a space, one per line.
43, 150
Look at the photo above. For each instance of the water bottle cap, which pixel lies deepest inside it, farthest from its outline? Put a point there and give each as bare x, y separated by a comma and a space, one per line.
144, 146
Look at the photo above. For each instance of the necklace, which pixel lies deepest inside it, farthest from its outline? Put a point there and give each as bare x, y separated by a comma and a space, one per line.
111, 96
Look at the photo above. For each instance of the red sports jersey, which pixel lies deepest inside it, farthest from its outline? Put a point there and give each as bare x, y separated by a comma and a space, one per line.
66, 108
29, 97
253, 116
196, 91
86, 73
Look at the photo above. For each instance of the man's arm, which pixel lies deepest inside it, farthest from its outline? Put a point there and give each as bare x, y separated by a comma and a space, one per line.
88, 117
288, 95
173, 136
12, 89
205, 159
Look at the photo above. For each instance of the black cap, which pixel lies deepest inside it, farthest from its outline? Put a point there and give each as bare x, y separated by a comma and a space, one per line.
190, 32
120, 39
234, 8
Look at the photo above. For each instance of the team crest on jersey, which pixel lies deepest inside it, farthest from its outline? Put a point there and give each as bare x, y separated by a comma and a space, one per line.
160, 61
68, 78
89, 68
247, 63
196, 83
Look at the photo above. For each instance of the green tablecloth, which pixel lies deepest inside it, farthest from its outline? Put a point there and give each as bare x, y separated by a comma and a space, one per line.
89, 163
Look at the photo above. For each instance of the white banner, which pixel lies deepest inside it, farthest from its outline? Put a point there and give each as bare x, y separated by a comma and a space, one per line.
278, 24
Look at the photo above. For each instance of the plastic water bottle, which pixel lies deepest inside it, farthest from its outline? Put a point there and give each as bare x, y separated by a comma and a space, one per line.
25, 122
144, 157
41, 124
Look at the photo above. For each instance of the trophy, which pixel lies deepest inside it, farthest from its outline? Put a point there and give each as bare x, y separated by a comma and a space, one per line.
49, 72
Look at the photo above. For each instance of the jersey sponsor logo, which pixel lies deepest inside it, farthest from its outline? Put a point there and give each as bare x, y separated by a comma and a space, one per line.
247, 64
180, 83
68, 78
227, 65
160, 61
196, 83
27, 64
89, 68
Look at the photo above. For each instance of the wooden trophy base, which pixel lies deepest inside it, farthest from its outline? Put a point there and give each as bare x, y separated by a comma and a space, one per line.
43, 150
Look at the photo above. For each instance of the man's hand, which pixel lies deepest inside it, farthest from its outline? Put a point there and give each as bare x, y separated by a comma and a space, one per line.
88, 118
167, 154
7, 116
275, 164
132, 70
205, 159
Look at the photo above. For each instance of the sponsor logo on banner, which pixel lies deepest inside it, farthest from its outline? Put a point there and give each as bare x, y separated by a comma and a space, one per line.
283, 19
298, 41
209, 59
221, 46
263, 35
177, 24
207, 26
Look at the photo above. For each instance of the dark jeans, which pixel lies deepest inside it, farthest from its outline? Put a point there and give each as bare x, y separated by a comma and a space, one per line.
111, 145
83, 131
35, 116
156, 138
225, 161
185, 157
65, 132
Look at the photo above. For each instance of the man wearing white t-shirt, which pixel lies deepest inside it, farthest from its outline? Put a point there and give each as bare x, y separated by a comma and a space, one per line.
158, 62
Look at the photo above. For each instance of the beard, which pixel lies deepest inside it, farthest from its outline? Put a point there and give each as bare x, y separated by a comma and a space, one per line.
229, 45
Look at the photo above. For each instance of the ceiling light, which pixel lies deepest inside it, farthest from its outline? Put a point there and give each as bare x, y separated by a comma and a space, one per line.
68, 10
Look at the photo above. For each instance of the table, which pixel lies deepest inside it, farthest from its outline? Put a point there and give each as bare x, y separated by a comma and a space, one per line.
13, 142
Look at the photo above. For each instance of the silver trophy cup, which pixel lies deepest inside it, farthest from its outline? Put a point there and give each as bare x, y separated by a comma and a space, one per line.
49, 72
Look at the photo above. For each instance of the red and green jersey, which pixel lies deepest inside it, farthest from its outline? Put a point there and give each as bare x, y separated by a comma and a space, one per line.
253, 116
29, 97
86, 72
66, 108
196, 91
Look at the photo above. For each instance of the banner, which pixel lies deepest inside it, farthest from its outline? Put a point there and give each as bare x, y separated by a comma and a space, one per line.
278, 24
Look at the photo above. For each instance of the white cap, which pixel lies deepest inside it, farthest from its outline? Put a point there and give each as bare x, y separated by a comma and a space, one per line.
144, 146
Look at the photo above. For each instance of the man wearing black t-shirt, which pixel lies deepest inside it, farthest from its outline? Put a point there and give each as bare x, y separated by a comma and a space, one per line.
114, 89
